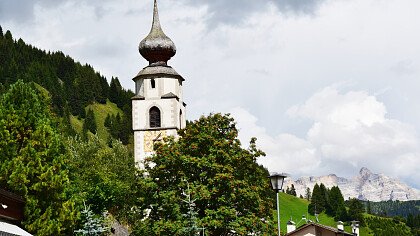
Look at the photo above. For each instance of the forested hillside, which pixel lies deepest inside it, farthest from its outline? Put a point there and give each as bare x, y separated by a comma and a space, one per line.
394, 208
71, 85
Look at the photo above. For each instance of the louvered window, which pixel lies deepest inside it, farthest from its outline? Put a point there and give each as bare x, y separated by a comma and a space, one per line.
154, 116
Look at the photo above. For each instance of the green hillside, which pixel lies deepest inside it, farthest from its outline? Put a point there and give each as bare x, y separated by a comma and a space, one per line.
294, 208
100, 111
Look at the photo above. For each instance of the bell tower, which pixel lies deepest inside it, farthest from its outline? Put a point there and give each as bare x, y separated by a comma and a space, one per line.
158, 107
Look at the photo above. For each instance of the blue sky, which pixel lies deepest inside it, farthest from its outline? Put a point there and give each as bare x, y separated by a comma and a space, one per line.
327, 86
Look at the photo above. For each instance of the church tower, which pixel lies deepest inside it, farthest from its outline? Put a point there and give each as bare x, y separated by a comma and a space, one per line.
158, 107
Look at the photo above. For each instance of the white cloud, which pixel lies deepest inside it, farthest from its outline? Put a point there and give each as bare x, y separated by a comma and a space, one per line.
350, 130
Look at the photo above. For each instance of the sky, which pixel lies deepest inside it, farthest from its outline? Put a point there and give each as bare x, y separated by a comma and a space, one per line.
326, 86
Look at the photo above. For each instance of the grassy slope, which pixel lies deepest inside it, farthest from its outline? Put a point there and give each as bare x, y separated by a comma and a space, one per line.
293, 207
100, 111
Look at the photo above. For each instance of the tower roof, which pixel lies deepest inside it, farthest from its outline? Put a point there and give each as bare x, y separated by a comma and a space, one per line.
157, 48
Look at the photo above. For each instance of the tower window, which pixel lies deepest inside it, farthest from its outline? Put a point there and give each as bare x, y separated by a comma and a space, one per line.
154, 117
153, 83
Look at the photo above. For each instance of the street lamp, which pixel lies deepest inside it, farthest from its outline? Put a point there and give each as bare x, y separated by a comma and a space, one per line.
277, 185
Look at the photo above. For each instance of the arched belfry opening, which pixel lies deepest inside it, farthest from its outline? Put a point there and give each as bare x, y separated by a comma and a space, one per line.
154, 117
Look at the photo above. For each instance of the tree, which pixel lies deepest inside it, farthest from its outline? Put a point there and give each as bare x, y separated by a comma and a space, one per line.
32, 161
336, 201
293, 190
308, 194
231, 191
90, 123
92, 225
1, 32
104, 177
317, 204
356, 210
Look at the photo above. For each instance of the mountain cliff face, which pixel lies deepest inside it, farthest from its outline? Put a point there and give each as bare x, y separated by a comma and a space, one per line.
365, 186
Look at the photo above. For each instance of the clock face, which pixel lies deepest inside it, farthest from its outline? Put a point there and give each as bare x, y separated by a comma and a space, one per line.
150, 137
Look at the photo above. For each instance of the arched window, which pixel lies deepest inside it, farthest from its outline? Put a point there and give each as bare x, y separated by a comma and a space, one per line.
154, 117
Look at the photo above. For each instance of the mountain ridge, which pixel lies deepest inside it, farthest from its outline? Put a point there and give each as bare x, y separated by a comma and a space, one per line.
366, 186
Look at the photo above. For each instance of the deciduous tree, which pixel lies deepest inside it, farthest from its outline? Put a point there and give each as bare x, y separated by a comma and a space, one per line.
232, 192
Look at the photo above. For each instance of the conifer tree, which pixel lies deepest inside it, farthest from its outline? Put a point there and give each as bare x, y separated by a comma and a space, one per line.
317, 204
32, 161
90, 123
308, 194
293, 190
1, 32
356, 210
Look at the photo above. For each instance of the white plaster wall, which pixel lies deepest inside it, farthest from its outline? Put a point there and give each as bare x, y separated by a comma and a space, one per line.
139, 148
169, 112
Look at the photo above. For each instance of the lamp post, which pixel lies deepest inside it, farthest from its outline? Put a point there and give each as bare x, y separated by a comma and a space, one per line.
277, 181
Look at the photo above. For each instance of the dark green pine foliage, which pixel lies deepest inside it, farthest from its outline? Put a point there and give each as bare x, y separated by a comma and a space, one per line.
388, 227
413, 221
337, 207
308, 194
395, 208
318, 200
356, 210
67, 81
32, 161
89, 124
119, 127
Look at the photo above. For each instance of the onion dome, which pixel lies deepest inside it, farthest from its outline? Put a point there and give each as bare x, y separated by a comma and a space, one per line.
157, 48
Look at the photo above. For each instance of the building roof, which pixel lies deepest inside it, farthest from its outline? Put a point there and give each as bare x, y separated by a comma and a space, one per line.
332, 229
154, 71
11, 206
10, 229
157, 48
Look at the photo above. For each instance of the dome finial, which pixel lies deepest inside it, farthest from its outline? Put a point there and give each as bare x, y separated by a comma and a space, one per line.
157, 48
156, 22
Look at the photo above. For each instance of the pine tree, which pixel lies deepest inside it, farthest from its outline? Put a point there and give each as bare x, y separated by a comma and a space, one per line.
1, 32
32, 161
356, 210
293, 190
308, 194
90, 123
93, 225
336, 201
317, 204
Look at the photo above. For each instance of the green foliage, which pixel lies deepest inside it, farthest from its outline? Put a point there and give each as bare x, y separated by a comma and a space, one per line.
92, 225
356, 210
318, 200
395, 208
387, 227
118, 128
414, 223
291, 191
231, 190
69, 83
102, 176
90, 123
33, 161
336, 206
308, 194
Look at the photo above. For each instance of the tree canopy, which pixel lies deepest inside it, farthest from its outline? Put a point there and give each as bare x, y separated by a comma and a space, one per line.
32, 161
230, 190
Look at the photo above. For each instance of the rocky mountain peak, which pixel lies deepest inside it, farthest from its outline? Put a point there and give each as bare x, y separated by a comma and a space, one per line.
365, 173
365, 186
